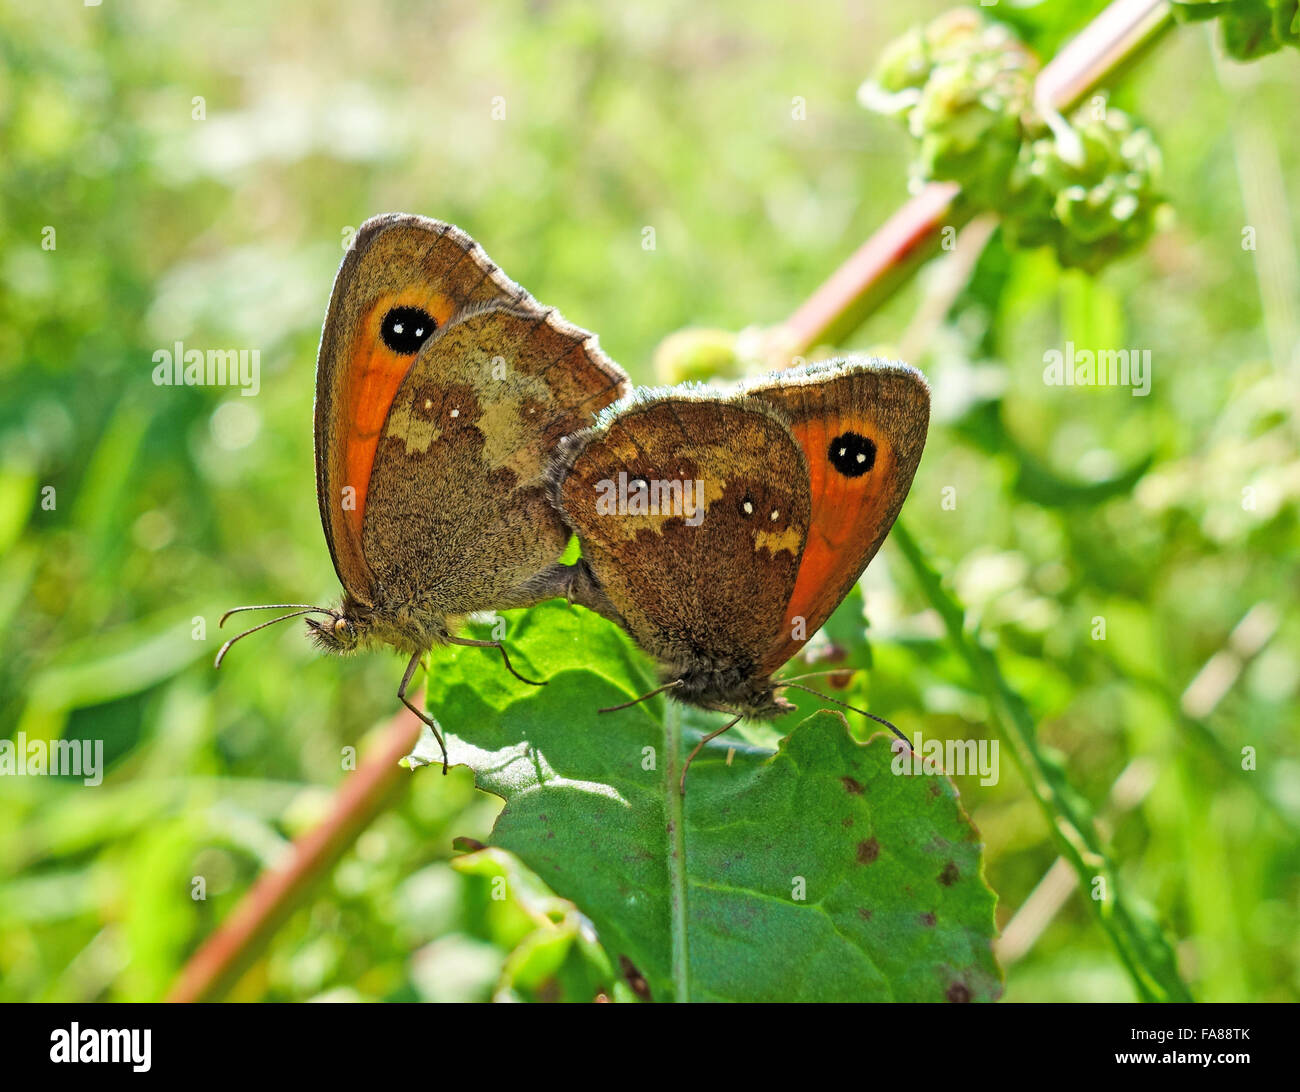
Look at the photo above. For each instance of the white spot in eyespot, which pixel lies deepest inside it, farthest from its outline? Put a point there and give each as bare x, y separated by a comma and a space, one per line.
455, 413
419, 331
748, 506
843, 451
776, 514
862, 458
397, 327
428, 403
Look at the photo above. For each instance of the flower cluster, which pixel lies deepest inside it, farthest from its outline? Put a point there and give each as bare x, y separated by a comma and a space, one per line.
964, 86
1091, 194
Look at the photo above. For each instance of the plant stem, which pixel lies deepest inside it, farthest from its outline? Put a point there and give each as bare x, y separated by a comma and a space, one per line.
674, 813
364, 794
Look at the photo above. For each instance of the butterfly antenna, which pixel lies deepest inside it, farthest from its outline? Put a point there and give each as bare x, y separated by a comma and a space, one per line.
221, 652
643, 697
273, 606
846, 705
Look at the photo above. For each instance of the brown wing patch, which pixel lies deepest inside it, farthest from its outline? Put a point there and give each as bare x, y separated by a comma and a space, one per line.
458, 512
695, 588
861, 426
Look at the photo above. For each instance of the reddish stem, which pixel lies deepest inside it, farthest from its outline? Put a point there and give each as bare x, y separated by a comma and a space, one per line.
366, 793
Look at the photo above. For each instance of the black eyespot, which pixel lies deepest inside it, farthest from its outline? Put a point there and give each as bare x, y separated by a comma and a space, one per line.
405, 329
851, 454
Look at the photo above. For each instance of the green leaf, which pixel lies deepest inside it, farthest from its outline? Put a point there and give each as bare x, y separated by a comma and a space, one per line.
815, 873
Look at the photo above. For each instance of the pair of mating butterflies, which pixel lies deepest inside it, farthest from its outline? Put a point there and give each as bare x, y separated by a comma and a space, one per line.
456, 455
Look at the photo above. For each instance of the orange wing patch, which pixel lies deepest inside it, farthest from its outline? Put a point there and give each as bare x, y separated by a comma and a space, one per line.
372, 379
851, 514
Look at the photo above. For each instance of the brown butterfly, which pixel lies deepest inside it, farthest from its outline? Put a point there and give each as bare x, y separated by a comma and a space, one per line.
442, 389
787, 488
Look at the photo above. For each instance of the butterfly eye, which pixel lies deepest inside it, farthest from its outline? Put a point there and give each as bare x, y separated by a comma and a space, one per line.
852, 454
405, 329
340, 626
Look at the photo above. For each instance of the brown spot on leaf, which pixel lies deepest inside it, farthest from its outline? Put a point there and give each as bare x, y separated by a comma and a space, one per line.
949, 875
852, 786
864, 913
928, 919
868, 851
847, 821
635, 978
958, 993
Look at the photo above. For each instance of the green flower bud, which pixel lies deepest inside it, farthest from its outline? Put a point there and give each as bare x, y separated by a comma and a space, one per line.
699, 354
1092, 210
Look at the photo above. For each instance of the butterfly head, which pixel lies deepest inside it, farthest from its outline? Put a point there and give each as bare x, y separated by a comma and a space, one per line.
344, 629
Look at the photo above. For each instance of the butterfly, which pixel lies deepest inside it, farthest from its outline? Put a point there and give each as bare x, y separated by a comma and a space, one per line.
778, 496
442, 390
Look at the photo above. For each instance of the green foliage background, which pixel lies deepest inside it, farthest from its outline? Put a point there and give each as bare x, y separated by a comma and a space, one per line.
174, 503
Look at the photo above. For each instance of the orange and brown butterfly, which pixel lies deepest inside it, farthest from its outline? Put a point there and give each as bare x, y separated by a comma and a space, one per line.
442, 389
779, 495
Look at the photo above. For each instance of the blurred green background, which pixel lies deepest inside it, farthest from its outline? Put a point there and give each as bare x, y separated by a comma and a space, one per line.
202, 166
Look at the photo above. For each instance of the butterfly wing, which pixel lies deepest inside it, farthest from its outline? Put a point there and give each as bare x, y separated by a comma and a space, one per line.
394, 262
458, 512
861, 425
696, 587
404, 279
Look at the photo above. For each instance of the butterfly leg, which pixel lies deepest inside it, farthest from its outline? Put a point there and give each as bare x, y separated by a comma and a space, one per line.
681, 786
433, 724
470, 643
576, 583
